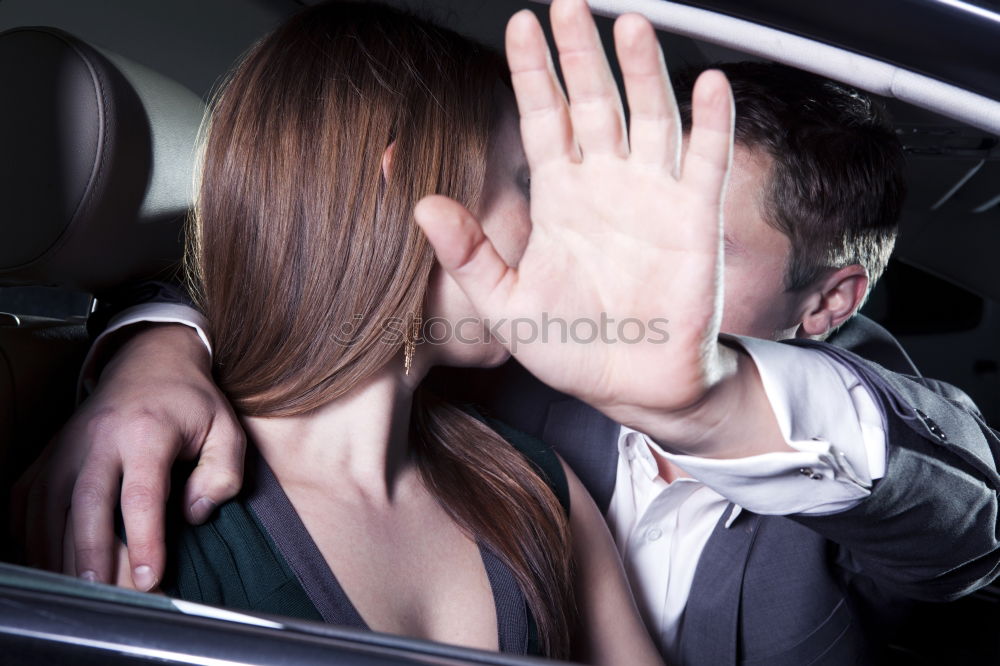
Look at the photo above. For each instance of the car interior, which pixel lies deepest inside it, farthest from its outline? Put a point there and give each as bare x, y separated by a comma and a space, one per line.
102, 106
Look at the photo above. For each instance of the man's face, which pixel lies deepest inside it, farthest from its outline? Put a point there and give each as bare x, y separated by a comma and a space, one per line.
757, 255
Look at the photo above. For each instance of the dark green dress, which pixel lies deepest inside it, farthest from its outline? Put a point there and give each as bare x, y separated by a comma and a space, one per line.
255, 554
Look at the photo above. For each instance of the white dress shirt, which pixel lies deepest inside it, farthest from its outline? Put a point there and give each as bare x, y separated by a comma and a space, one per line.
823, 412
661, 528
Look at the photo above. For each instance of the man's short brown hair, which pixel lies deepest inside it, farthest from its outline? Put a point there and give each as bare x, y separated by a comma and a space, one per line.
838, 177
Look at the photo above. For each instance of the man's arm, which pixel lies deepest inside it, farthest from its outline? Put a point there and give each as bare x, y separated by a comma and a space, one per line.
833, 429
625, 228
155, 402
124, 311
895, 469
929, 527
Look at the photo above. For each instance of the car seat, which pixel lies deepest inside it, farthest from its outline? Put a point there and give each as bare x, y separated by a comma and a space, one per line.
96, 168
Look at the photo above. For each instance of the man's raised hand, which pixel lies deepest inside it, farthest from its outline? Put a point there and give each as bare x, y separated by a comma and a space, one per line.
626, 226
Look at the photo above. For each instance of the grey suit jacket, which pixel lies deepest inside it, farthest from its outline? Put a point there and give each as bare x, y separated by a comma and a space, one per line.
817, 589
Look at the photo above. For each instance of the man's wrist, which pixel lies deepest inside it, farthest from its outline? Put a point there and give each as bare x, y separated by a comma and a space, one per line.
179, 340
126, 325
732, 420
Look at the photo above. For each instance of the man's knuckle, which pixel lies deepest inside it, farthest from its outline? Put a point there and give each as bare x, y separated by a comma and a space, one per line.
140, 498
233, 435
96, 425
143, 423
142, 547
88, 493
37, 495
87, 552
230, 482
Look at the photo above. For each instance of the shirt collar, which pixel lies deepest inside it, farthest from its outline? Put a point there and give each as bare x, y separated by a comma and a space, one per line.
637, 447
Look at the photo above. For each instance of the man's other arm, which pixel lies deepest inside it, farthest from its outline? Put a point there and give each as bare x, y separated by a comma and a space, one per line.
929, 526
155, 402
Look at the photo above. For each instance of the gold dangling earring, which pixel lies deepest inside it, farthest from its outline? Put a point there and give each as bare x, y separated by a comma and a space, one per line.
412, 338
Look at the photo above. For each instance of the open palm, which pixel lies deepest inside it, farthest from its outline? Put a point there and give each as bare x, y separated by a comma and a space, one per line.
623, 269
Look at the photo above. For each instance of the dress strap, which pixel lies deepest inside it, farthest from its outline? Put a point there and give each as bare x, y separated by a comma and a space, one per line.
516, 632
278, 517
512, 611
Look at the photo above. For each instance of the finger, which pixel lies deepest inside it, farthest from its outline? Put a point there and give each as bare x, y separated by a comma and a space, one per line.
20, 504
69, 552
219, 474
122, 574
710, 151
595, 105
95, 497
654, 121
545, 124
145, 488
464, 251
45, 517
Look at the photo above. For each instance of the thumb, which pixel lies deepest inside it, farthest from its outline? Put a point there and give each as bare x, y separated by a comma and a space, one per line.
464, 251
219, 473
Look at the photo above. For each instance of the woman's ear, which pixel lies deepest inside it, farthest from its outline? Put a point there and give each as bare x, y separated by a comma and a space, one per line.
834, 300
387, 160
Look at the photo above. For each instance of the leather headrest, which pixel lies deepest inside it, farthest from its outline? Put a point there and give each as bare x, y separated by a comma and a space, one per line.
96, 163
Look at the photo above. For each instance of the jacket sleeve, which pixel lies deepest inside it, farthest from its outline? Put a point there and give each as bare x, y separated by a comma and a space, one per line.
114, 301
929, 528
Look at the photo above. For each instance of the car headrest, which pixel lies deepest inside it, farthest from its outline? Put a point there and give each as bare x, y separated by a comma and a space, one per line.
96, 163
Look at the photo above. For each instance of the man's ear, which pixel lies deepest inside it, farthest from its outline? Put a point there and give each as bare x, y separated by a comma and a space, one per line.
387, 160
834, 300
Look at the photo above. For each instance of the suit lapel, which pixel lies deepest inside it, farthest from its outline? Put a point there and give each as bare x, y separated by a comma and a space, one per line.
588, 442
710, 633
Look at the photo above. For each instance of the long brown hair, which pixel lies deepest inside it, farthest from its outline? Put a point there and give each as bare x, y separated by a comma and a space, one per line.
299, 242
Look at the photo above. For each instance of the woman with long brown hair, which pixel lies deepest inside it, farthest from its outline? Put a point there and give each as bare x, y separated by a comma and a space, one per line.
370, 502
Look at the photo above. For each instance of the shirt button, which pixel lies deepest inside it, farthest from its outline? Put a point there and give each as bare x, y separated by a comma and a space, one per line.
654, 534
808, 471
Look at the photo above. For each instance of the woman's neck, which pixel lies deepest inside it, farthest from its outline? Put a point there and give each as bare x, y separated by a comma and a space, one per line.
356, 443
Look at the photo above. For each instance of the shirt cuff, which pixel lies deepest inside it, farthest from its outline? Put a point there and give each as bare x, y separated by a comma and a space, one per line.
826, 414
156, 313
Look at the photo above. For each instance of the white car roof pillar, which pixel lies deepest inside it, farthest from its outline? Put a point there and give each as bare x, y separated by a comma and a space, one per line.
854, 69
